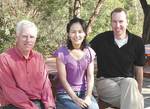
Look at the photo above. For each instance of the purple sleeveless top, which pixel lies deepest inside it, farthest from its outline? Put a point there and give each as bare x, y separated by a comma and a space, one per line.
75, 69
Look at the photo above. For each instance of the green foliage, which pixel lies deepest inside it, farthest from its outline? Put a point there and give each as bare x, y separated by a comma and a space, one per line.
51, 17
5, 40
135, 16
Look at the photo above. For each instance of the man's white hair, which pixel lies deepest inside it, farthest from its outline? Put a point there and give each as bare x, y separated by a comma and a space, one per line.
23, 24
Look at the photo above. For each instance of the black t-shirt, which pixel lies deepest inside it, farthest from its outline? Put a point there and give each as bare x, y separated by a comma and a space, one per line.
113, 61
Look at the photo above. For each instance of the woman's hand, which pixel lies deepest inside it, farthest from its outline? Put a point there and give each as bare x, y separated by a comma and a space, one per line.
81, 102
87, 100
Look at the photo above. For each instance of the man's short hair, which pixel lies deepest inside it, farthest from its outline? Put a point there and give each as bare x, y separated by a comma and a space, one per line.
25, 23
119, 10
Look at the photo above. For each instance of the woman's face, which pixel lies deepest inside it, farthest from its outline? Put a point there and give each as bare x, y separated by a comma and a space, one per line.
76, 34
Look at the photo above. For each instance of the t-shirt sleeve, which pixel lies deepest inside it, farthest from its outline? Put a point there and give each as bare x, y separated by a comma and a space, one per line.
91, 54
140, 51
60, 53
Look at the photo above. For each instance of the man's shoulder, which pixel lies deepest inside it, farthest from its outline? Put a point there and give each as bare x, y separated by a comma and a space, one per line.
106, 33
7, 55
36, 53
7, 52
102, 37
135, 37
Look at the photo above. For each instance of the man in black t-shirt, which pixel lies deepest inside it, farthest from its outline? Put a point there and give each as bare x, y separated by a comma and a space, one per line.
120, 60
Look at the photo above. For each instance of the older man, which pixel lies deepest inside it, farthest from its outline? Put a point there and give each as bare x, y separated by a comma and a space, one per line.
24, 82
120, 58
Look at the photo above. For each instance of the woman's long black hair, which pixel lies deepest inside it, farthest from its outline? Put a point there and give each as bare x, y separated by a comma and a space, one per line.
84, 26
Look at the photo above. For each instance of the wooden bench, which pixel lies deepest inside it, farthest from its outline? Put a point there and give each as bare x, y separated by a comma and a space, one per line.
104, 105
146, 71
51, 64
52, 71
146, 68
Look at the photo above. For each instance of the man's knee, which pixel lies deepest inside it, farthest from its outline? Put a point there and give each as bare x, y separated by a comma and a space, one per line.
107, 88
105, 83
130, 81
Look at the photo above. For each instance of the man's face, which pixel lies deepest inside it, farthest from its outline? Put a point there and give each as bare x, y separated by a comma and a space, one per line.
119, 23
26, 39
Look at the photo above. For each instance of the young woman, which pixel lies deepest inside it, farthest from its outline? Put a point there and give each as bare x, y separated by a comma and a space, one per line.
75, 65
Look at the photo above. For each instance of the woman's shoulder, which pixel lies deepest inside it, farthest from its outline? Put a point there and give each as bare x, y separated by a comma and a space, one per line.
90, 52
89, 49
62, 50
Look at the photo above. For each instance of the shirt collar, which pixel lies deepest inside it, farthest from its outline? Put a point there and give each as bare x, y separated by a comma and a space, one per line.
18, 52
128, 33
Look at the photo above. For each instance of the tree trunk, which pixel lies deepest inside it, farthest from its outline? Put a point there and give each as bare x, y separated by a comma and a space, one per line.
94, 15
146, 29
146, 25
77, 8
71, 9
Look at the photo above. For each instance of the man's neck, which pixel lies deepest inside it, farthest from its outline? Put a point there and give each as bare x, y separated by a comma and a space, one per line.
120, 37
25, 53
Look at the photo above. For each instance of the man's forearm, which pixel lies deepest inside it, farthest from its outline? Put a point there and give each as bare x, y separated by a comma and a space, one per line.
139, 76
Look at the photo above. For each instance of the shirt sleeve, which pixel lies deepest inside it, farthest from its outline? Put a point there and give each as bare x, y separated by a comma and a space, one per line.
60, 53
9, 89
91, 54
140, 51
47, 95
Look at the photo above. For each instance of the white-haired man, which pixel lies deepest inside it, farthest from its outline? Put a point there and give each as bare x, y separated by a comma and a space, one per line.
24, 82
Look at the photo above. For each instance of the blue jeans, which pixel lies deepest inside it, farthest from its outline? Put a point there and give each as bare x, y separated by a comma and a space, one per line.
64, 101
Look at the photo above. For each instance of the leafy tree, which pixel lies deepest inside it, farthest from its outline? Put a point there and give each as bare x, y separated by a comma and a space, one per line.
51, 17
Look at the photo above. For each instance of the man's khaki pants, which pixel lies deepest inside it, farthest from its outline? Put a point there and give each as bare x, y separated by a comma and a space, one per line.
120, 92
